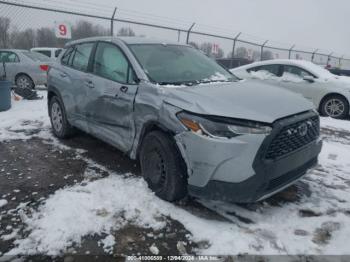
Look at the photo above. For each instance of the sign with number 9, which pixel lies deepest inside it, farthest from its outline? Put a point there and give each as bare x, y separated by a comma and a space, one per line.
63, 30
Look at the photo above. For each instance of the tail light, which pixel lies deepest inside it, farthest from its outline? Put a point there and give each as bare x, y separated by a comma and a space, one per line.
44, 67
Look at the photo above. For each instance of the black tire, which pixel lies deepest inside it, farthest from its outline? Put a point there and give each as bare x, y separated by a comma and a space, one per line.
24, 82
163, 167
342, 103
65, 130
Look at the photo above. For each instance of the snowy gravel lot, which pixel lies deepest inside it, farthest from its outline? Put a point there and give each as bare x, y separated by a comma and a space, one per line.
83, 197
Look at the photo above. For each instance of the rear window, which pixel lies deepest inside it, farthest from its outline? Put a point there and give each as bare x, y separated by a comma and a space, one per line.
58, 52
43, 52
36, 56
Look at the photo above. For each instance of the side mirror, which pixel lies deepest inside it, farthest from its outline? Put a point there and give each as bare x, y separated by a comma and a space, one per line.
309, 79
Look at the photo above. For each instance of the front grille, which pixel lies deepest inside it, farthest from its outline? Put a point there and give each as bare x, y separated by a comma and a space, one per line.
293, 137
290, 177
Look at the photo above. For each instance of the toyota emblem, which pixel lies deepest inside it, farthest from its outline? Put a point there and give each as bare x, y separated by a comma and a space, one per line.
302, 129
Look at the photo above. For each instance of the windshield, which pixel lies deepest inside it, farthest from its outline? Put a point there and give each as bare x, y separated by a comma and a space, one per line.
36, 56
177, 65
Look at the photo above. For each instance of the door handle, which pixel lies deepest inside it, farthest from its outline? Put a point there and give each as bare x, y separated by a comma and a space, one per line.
124, 89
63, 74
89, 84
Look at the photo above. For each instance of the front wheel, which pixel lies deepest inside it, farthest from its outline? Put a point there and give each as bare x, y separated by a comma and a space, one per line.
163, 167
335, 106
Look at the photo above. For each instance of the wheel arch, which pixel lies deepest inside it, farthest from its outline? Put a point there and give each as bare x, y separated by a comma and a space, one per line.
330, 95
146, 129
25, 74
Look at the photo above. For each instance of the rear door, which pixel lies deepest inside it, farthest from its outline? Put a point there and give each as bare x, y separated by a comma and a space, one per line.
111, 96
71, 78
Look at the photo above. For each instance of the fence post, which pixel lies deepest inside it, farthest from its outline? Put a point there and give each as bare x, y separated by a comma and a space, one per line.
112, 21
313, 55
262, 50
290, 51
188, 33
329, 58
340, 58
233, 48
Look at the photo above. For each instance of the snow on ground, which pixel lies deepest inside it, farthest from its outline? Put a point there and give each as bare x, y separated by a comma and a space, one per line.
318, 223
3, 202
23, 117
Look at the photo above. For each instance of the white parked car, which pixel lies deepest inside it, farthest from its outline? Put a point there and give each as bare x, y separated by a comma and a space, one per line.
48, 51
329, 93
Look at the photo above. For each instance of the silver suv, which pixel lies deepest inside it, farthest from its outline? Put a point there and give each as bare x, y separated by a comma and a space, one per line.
195, 128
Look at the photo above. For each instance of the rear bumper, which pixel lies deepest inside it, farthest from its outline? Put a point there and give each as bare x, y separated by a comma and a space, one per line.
270, 177
39, 78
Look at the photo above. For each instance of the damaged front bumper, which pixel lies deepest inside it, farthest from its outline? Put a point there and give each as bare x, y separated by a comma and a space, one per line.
236, 170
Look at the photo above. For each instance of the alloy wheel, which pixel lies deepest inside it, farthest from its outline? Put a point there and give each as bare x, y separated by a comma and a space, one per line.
57, 117
334, 107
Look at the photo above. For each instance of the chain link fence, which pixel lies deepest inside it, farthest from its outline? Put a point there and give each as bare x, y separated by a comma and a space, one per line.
26, 24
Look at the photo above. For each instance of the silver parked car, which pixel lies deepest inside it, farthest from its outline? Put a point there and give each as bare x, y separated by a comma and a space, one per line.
25, 68
195, 128
329, 93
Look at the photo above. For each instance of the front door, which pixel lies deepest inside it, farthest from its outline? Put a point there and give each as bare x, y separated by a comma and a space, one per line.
111, 96
11, 62
293, 80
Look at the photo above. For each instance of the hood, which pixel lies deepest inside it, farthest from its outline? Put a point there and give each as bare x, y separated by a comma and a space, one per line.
244, 100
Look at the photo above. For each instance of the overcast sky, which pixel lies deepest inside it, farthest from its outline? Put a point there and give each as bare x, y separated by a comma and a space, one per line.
311, 23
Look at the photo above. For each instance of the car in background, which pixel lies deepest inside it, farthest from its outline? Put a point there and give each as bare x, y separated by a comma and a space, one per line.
329, 93
48, 51
195, 128
340, 72
24, 68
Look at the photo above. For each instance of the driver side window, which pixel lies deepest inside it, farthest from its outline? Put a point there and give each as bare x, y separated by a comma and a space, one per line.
111, 63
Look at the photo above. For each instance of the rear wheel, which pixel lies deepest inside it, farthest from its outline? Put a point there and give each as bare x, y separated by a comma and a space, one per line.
24, 82
335, 106
163, 167
59, 123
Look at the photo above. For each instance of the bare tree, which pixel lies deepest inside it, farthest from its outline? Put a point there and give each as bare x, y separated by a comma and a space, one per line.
126, 31
45, 37
194, 44
84, 29
23, 39
267, 55
241, 52
207, 48
4, 32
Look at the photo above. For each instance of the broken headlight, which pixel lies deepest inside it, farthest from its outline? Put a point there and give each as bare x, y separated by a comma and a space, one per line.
224, 128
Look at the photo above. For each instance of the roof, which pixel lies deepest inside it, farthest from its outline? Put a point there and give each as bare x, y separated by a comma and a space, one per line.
46, 48
13, 50
283, 62
126, 40
307, 65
